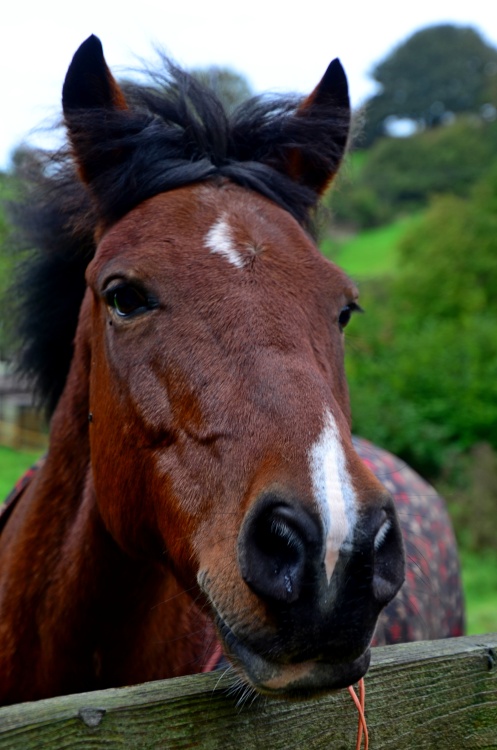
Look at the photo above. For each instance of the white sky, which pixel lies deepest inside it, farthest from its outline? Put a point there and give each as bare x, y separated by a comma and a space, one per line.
279, 46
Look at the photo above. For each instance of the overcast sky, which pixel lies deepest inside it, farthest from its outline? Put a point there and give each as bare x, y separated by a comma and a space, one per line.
279, 46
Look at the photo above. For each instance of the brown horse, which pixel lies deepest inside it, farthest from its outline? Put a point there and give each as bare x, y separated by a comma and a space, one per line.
201, 482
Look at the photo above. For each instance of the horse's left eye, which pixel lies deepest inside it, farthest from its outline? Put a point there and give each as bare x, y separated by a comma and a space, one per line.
346, 314
126, 300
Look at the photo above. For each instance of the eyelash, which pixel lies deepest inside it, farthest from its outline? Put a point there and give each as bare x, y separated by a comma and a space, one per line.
346, 313
127, 299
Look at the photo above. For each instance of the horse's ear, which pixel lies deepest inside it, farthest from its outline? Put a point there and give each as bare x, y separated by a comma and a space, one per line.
89, 82
325, 117
88, 85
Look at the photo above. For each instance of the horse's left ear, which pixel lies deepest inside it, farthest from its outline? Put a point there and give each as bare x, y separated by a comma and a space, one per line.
321, 125
88, 85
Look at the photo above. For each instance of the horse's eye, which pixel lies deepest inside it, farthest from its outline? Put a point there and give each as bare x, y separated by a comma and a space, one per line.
346, 314
126, 299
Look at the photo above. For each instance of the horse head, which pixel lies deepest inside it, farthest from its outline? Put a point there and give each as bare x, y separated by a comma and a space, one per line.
213, 333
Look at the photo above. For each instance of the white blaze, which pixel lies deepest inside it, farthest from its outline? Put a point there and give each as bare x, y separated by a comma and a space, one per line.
333, 490
219, 239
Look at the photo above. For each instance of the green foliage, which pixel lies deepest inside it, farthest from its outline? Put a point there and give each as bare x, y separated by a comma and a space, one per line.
3, 230
438, 70
423, 375
426, 391
469, 482
400, 175
449, 262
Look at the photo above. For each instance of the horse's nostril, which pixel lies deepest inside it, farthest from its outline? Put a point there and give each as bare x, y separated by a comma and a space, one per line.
388, 558
382, 532
277, 539
273, 549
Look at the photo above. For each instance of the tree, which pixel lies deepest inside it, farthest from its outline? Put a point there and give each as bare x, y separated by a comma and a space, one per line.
400, 175
6, 263
439, 71
231, 87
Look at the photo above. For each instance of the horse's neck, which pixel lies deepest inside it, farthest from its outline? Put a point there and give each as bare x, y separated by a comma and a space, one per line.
76, 612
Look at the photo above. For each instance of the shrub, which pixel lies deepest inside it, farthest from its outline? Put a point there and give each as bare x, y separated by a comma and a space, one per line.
423, 374
469, 483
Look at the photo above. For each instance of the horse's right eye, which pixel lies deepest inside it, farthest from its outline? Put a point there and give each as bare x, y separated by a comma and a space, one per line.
127, 299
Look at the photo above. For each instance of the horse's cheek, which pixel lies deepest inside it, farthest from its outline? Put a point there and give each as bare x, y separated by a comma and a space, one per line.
118, 477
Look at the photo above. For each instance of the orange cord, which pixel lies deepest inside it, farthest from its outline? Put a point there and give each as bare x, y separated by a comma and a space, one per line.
360, 703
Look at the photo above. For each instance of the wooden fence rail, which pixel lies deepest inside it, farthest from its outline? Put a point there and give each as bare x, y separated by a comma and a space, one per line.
434, 694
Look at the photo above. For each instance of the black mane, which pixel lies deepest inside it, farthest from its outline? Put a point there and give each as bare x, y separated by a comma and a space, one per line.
175, 132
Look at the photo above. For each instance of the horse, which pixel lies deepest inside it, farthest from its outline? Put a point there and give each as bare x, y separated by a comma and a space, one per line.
202, 489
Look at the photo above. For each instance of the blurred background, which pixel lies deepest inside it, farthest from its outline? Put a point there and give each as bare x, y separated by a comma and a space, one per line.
412, 217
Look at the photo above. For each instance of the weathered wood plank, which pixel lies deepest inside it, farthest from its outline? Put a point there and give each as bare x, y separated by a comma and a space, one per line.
433, 695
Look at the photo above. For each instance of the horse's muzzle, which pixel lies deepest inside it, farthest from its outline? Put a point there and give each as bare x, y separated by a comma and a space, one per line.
313, 632
282, 549
300, 680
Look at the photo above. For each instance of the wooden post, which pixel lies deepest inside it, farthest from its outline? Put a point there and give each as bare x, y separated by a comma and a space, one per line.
434, 694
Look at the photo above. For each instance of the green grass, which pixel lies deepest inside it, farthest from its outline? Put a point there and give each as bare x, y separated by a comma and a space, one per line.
372, 252
13, 464
479, 572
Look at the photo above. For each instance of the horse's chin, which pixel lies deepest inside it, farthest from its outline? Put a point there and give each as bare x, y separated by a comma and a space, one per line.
297, 681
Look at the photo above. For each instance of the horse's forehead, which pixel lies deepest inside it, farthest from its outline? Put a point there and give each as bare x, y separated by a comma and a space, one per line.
221, 234
228, 221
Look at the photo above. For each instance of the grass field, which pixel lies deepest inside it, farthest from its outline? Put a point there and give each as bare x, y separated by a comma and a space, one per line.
479, 570
480, 589
13, 464
370, 253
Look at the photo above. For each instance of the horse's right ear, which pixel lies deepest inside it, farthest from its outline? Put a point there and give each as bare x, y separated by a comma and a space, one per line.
88, 85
